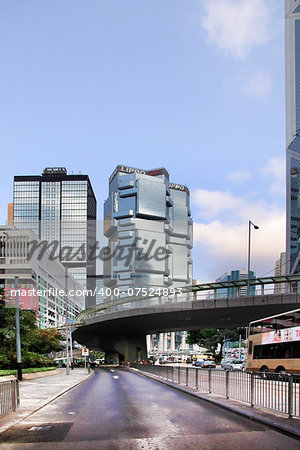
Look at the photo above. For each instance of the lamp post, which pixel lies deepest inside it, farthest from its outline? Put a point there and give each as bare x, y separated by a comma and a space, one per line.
256, 227
67, 323
18, 338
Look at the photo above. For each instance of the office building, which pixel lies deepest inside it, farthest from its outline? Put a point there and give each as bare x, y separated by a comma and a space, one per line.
235, 275
60, 209
279, 270
143, 213
292, 46
43, 281
148, 224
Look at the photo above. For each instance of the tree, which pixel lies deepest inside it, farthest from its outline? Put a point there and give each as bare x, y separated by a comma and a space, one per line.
45, 340
35, 342
213, 338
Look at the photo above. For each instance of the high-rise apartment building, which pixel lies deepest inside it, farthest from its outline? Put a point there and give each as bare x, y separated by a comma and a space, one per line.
148, 224
292, 45
60, 209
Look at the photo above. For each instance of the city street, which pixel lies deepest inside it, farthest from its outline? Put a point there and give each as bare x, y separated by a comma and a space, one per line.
118, 409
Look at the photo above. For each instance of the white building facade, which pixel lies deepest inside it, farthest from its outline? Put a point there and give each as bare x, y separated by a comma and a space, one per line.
43, 282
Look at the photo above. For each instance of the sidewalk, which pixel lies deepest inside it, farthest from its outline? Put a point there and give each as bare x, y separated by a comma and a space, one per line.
38, 392
272, 419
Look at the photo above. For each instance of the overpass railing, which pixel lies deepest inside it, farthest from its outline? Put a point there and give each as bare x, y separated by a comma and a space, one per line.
133, 298
9, 396
277, 392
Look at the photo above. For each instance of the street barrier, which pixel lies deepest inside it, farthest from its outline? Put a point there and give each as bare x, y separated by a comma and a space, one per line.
9, 396
273, 391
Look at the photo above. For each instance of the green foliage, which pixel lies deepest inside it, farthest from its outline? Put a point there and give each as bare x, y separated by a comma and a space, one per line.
95, 354
45, 340
212, 338
8, 360
30, 370
35, 342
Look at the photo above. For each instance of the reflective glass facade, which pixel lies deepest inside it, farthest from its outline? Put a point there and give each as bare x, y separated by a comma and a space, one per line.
62, 208
292, 35
27, 205
235, 275
142, 214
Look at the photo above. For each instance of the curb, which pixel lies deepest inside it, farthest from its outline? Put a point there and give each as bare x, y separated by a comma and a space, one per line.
17, 421
286, 429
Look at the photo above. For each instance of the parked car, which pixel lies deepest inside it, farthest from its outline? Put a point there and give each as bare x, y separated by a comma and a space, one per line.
233, 364
209, 364
205, 363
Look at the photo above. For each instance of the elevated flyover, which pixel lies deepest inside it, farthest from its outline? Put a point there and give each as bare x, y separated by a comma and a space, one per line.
120, 325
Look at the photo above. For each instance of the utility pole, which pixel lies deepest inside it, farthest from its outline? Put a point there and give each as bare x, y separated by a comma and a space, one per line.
18, 338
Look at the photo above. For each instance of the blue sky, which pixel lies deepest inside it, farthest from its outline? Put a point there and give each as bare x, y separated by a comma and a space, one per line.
195, 86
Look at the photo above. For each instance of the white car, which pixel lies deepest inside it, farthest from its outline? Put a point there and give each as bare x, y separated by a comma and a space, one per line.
233, 364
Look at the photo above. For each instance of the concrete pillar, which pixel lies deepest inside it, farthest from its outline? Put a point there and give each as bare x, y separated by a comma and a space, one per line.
111, 358
173, 341
161, 342
132, 347
149, 343
165, 346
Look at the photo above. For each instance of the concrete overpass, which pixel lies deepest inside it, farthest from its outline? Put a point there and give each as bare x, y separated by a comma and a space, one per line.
122, 325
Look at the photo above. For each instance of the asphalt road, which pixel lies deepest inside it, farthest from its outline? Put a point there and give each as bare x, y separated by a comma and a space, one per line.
123, 410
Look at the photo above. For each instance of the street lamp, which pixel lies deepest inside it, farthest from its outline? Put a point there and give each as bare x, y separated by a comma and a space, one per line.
18, 338
256, 227
67, 322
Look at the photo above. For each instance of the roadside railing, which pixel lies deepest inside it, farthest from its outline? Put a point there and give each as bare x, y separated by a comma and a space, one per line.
273, 391
9, 396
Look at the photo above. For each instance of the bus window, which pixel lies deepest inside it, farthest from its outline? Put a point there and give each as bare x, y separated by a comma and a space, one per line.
250, 348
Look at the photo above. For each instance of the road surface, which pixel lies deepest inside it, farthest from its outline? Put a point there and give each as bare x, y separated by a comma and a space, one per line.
123, 410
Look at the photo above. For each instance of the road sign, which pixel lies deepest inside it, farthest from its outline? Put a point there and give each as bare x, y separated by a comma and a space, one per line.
85, 352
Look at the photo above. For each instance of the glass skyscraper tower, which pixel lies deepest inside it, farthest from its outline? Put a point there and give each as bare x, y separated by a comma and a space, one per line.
145, 214
60, 208
292, 42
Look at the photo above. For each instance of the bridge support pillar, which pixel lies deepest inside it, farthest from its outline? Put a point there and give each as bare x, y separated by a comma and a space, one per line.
132, 348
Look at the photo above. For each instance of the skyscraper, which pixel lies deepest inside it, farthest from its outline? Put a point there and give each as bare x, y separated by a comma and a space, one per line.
292, 43
235, 275
148, 224
61, 209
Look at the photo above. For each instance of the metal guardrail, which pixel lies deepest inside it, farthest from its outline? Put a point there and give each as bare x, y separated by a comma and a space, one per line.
9, 396
273, 391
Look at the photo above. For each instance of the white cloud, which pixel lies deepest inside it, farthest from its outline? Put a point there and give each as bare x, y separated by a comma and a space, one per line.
237, 26
212, 203
259, 85
221, 243
276, 169
239, 176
